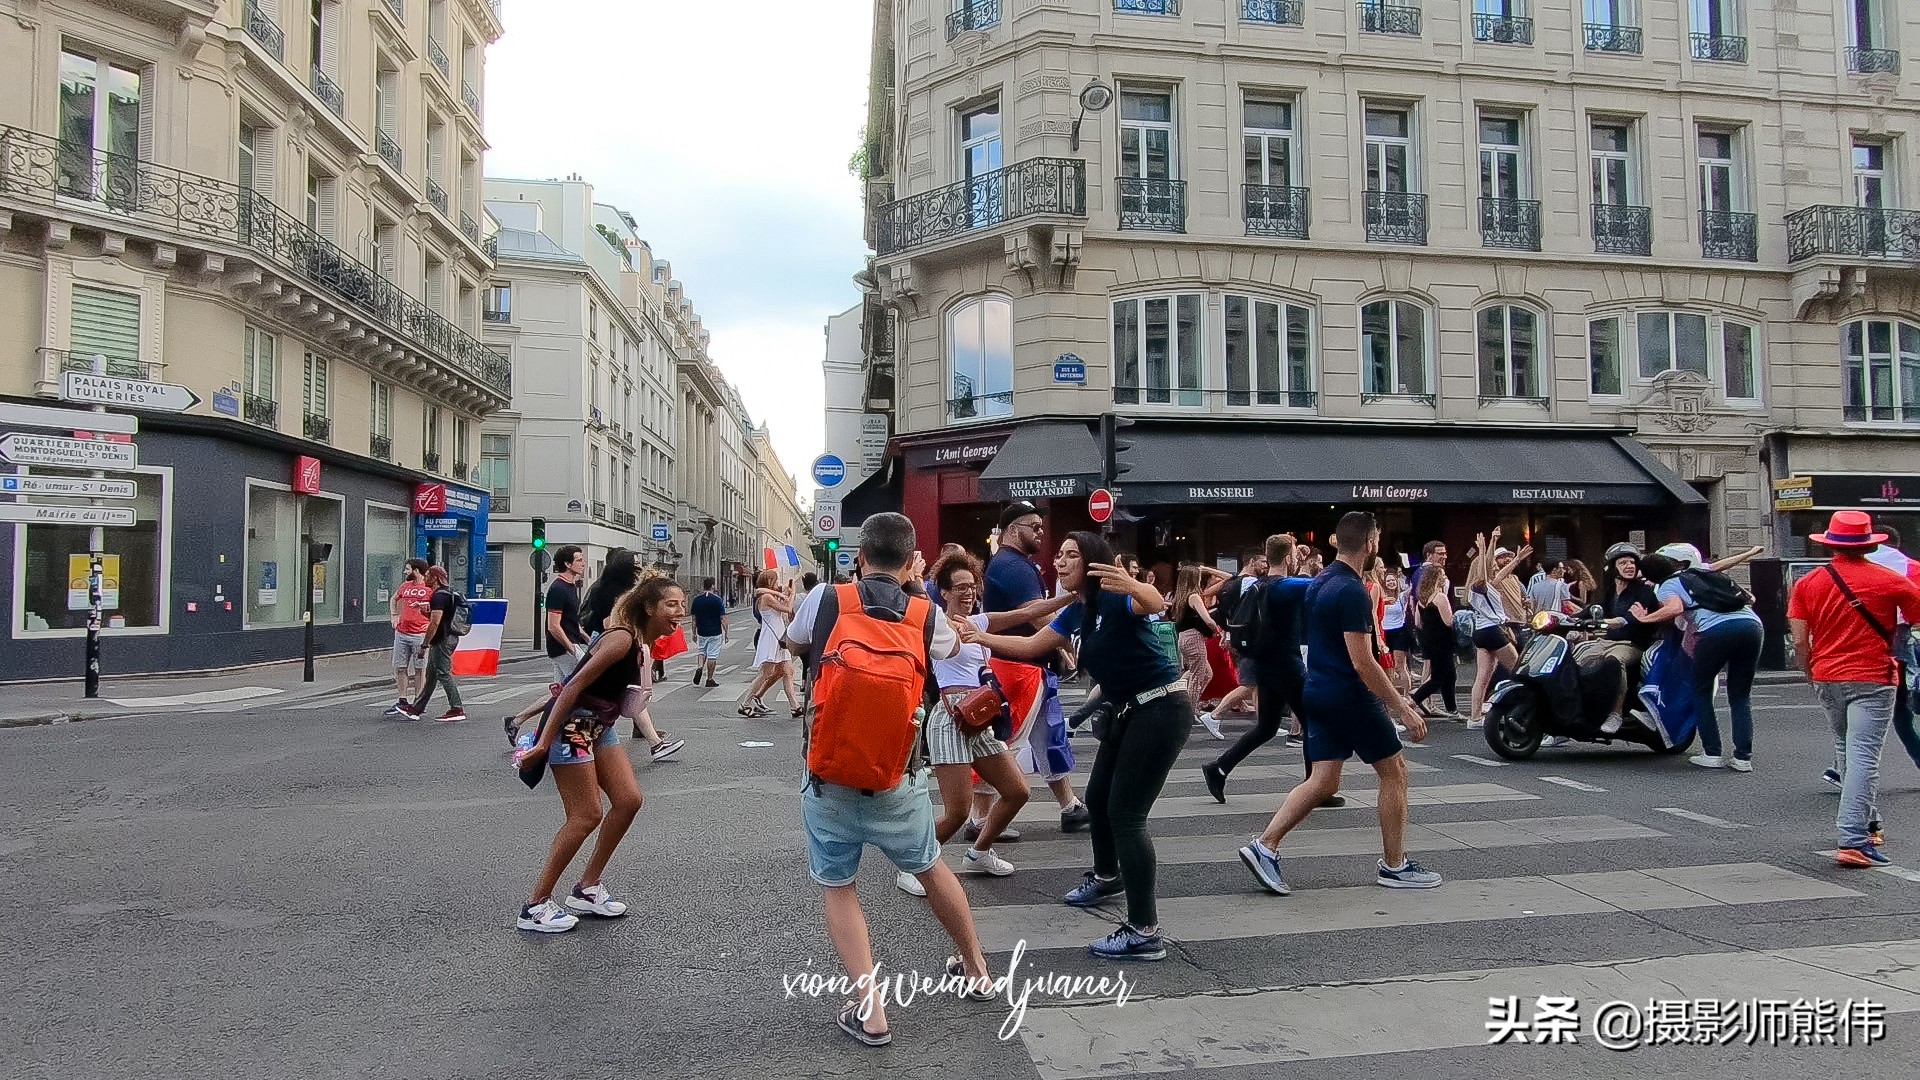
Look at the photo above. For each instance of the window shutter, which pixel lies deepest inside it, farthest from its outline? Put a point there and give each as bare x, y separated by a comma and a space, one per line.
149, 89
330, 39
389, 90
329, 208
389, 242
104, 322
266, 158
433, 154
434, 289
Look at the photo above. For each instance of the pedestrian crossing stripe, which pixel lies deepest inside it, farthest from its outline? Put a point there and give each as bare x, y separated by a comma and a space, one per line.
1359, 798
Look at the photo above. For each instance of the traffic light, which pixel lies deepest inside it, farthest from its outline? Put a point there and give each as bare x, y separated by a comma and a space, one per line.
833, 546
539, 533
1113, 466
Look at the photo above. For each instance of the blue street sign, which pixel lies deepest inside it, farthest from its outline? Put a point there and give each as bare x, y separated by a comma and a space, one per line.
1069, 369
843, 559
661, 533
225, 403
829, 471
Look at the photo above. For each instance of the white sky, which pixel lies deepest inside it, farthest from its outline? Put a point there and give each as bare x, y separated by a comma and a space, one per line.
724, 128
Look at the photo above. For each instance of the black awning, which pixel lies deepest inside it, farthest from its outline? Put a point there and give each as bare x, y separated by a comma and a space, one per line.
1044, 459
880, 493
1371, 465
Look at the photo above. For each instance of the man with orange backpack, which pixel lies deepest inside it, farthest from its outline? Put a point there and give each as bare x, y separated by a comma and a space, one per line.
872, 645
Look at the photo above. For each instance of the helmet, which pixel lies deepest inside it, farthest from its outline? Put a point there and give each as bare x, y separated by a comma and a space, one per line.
1621, 551
1685, 554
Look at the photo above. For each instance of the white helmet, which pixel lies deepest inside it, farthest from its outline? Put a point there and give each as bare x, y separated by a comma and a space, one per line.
1684, 554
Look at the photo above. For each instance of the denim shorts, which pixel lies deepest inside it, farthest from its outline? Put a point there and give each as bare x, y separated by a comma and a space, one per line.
709, 646
840, 822
565, 752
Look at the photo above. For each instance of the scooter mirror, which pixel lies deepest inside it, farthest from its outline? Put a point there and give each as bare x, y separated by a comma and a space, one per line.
1596, 612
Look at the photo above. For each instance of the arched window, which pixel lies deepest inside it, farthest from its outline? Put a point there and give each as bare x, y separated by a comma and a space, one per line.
1882, 371
980, 343
1510, 354
1394, 351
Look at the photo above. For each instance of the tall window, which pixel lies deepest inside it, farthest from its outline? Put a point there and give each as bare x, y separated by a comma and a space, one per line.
1872, 184
980, 341
462, 429
1389, 149
260, 366
1267, 141
1611, 153
1158, 352
386, 249
1882, 371
316, 373
1393, 348
100, 127
1715, 18
1269, 353
1604, 348
380, 417
1509, 353
496, 469
1503, 174
980, 141
322, 204
106, 322
1672, 341
1866, 24
1719, 180
386, 98
430, 431
1146, 135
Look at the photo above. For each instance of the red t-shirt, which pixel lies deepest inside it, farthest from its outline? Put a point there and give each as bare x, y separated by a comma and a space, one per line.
1845, 648
411, 597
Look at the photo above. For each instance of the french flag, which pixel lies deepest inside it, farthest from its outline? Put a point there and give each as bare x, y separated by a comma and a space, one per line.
479, 652
793, 557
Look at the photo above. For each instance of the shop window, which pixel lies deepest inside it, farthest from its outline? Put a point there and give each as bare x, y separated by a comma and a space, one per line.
1159, 351
1509, 339
1882, 378
1393, 349
980, 341
277, 520
387, 552
1269, 353
52, 586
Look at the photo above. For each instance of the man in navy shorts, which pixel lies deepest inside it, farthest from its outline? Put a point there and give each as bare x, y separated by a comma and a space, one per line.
1346, 700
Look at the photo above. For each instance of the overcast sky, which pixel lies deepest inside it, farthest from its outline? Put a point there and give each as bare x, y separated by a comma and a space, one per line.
724, 129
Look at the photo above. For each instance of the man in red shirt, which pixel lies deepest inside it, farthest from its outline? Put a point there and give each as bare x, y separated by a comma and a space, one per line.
1843, 617
410, 603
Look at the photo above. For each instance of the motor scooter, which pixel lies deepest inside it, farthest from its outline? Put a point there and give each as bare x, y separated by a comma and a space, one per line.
1552, 695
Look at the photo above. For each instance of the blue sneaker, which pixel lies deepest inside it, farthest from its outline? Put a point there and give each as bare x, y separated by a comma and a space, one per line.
1127, 943
1410, 876
1867, 854
1093, 892
1266, 869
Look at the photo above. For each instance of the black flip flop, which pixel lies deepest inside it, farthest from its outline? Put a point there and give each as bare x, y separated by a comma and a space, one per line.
849, 1021
957, 968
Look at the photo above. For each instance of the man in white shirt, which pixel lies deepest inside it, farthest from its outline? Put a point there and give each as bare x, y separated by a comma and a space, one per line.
1548, 590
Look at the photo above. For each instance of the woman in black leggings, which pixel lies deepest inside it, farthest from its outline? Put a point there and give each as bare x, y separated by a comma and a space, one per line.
1435, 602
1152, 719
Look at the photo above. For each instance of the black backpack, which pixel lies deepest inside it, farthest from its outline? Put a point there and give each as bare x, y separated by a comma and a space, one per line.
1715, 591
1247, 629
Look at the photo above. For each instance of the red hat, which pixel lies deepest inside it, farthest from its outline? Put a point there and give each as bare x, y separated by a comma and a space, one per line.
1849, 528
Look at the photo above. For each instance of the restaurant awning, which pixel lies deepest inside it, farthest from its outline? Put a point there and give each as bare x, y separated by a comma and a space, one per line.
879, 493
1044, 459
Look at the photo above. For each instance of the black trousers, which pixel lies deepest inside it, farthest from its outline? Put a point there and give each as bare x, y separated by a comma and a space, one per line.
1280, 686
1441, 675
1131, 767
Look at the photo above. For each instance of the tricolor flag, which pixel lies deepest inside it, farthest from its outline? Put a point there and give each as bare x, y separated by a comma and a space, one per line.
772, 563
479, 652
793, 557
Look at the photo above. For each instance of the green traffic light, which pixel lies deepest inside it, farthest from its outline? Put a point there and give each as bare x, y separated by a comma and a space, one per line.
539, 541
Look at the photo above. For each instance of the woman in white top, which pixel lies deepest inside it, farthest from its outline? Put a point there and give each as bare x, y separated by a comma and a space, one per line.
1498, 603
1394, 629
773, 605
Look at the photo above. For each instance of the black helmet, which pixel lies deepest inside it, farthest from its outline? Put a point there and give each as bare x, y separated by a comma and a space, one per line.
1621, 551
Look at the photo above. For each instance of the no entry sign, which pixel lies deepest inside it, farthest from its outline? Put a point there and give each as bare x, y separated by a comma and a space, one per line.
1100, 505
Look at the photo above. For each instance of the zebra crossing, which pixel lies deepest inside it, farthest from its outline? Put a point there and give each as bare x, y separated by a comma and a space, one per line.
1658, 903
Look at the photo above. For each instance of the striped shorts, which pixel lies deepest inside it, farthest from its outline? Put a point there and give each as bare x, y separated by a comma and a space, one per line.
946, 746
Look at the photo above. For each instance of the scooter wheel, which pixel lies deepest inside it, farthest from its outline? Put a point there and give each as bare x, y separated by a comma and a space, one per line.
1513, 731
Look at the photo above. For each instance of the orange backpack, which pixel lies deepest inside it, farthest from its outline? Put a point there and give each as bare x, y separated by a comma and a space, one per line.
868, 695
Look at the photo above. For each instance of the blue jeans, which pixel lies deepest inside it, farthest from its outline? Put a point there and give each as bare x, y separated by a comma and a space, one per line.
1733, 647
1859, 713
1903, 701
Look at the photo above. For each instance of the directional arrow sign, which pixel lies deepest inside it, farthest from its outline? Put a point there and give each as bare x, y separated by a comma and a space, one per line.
68, 485
112, 390
23, 449
42, 514
39, 416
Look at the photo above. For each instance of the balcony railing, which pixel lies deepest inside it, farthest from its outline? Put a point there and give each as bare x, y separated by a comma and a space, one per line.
262, 29
1622, 230
980, 406
460, 471
1513, 224
380, 446
438, 55
329, 93
470, 98
1277, 211
1727, 235
1273, 12
388, 148
1155, 205
1025, 188
1860, 231
1726, 48
1514, 399
437, 195
118, 367
261, 410
1863, 61
974, 15
1613, 38
39, 168
1147, 7
317, 427
469, 227
491, 246
1502, 29
398, 7
430, 460
1382, 18
1396, 217
492, 316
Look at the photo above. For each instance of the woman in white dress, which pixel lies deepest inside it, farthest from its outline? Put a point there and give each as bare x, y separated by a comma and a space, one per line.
773, 606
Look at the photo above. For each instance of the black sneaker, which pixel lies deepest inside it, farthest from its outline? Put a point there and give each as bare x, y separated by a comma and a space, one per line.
1216, 781
1093, 892
1334, 801
1075, 818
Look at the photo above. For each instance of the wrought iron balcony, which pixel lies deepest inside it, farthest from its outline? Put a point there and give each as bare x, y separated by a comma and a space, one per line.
430, 460
317, 427
1622, 230
329, 93
1514, 399
1502, 29
1273, 12
263, 30
1722, 47
491, 245
469, 227
1155, 205
1513, 224
470, 98
1863, 61
1727, 235
437, 195
492, 316
398, 7
380, 446
1277, 211
261, 410
119, 367
978, 406
1859, 231
460, 471
1396, 217
1377, 397
1147, 7
973, 15
1023, 189
388, 148
1377, 17
438, 54
1613, 38
36, 168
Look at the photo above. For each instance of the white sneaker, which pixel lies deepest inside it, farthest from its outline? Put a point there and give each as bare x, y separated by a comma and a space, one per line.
909, 884
1707, 761
1212, 724
1555, 740
596, 900
986, 862
1612, 724
1740, 764
1476, 725
546, 917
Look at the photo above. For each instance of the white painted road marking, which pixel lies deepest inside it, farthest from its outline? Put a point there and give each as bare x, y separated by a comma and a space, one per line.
204, 697
1704, 819
1574, 784
1490, 763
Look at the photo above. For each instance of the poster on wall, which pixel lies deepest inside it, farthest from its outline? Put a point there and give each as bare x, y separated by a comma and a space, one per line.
79, 590
269, 591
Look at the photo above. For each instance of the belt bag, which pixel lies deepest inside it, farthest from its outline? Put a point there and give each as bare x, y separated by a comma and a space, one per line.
974, 711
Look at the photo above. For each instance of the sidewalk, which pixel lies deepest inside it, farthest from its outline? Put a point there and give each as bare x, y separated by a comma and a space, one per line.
23, 704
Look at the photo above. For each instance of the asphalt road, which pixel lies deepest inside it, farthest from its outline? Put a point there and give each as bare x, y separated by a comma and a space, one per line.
321, 892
